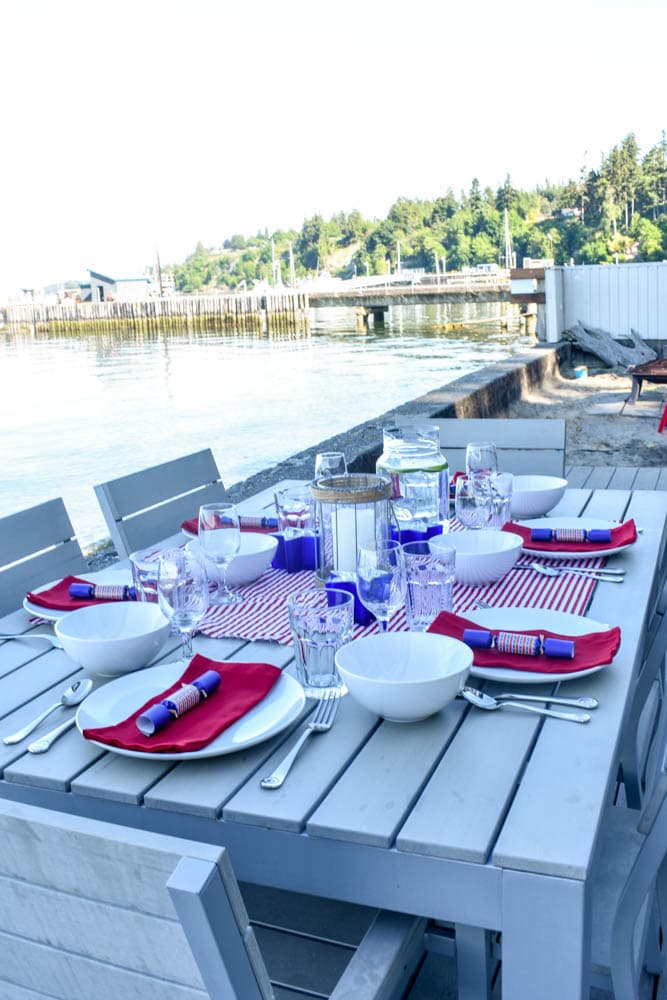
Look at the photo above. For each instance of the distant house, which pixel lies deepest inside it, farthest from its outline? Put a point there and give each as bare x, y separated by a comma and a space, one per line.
103, 288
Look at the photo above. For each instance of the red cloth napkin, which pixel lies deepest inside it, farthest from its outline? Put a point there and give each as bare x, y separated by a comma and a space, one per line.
192, 526
591, 649
242, 686
57, 598
625, 534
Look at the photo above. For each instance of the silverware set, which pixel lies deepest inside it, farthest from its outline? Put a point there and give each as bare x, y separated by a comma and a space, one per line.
482, 700
73, 695
602, 573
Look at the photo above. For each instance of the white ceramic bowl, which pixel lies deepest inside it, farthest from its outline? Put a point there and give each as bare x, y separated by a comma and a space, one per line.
481, 556
534, 496
404, 676
254, 558
115, 638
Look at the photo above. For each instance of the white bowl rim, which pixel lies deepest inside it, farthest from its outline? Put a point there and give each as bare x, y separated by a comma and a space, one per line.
508, 540
414, 681
537, 483
97, 608
255, 543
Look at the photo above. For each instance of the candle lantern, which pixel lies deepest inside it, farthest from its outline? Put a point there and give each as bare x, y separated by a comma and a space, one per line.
351, 511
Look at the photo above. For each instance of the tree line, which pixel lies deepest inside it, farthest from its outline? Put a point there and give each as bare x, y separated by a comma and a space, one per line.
614, 213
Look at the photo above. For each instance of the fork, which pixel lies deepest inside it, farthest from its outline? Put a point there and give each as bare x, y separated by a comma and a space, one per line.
320, 722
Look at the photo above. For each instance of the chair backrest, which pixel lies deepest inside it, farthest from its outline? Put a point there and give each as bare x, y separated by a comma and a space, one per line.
94, 909
645, 726
37, 545
146, 506
525, 447
648, 872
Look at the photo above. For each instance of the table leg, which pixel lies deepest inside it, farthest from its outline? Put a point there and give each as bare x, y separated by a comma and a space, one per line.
636, 389
474, 963
545, 938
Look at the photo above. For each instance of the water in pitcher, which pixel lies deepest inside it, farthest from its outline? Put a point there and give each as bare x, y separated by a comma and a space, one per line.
419, 475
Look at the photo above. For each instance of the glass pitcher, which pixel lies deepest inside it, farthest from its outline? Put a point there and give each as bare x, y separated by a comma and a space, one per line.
419, 474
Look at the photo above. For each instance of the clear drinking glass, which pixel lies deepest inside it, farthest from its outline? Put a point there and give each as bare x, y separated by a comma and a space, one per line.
182, 588
330, 463
381, 580
481, 457
501, 498
473, 502
321, 621
295, 510
144, 566
220, 540
430, 574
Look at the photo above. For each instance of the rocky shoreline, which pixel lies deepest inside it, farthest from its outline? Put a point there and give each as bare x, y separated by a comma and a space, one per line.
602, 428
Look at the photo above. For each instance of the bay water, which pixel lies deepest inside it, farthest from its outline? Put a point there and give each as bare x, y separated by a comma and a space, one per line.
76, 411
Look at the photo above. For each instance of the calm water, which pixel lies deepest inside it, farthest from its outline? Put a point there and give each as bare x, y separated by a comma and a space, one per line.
77, 411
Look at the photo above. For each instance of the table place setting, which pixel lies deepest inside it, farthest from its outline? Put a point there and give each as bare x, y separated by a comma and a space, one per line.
538, 650
573, 538
210, 708
62, 596
257, 523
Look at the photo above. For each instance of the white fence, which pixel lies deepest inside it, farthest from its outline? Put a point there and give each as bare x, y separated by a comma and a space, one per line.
615, 297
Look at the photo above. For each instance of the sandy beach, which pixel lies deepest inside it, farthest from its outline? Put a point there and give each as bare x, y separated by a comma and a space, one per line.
602, 427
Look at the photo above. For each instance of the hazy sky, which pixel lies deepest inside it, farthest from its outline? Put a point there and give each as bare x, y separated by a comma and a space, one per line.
143, 124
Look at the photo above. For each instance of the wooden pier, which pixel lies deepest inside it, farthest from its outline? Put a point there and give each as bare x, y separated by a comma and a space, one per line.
279, 312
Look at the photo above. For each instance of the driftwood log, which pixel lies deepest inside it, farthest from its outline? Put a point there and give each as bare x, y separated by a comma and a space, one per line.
604, 346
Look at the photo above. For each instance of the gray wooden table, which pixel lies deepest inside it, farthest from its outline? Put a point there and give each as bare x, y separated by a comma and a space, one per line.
487, 820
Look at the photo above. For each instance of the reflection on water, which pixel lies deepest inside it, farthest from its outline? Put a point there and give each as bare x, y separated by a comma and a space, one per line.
79, 410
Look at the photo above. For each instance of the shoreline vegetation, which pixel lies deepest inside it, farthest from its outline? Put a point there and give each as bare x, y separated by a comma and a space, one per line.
615, 212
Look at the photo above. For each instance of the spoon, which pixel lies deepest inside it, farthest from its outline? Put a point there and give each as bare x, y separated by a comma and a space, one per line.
34, 635
481, 700
73, 695
591, 574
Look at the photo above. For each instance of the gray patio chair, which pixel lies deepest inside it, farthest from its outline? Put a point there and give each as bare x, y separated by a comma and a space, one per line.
90, 909
146, 506
525, 447
646, 724
629, 893
37, 545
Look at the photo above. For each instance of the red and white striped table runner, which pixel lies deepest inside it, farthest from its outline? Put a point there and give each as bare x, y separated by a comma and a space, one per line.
263, 613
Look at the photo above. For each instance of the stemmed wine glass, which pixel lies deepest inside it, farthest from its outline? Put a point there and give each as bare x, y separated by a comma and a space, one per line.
330, 463
481, 458
381, 580
182, 589
220, 540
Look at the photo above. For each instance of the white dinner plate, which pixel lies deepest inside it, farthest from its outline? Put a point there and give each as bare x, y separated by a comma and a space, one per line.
108, 575
571, 522
532, 618
114, 701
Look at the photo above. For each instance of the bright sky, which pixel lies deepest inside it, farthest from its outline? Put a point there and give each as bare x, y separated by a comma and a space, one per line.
139, 125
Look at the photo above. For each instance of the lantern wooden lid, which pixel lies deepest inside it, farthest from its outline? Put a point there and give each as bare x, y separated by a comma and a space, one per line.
354, 488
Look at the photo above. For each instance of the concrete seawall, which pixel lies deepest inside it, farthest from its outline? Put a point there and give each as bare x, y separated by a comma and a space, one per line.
483, 393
